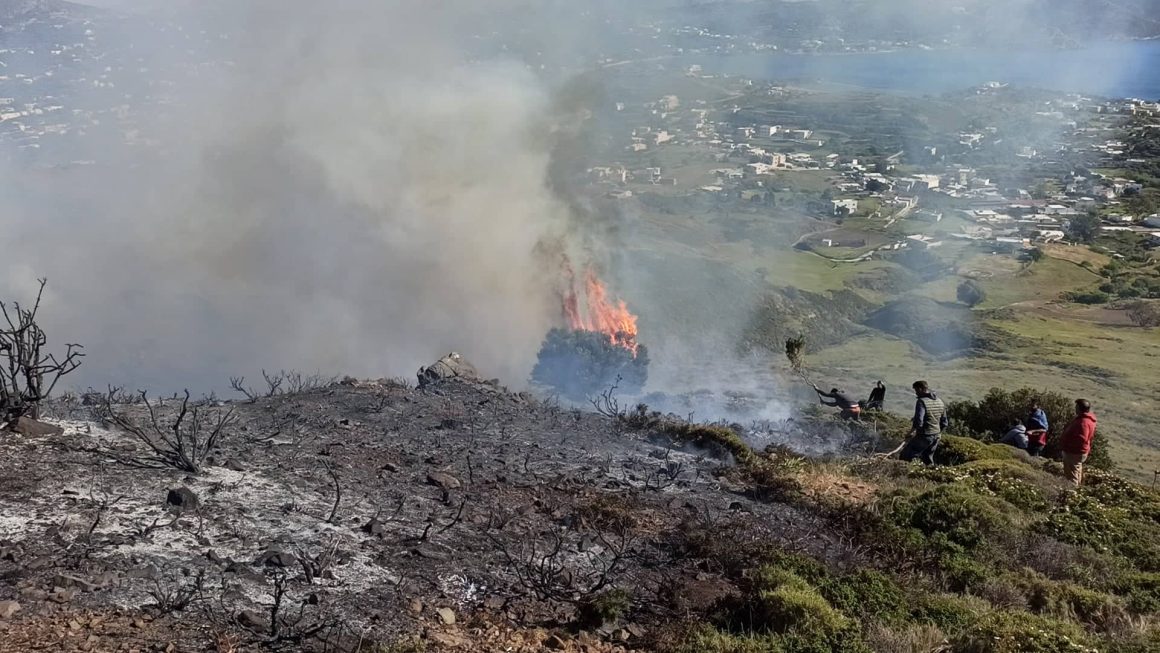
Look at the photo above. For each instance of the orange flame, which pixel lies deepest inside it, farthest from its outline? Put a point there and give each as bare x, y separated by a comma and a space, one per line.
597, 312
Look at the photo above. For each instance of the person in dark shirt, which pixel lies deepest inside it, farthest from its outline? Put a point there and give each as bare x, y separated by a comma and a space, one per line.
849, 406
926, 427
877, 397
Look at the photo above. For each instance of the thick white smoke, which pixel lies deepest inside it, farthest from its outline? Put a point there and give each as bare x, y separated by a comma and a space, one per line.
352, 193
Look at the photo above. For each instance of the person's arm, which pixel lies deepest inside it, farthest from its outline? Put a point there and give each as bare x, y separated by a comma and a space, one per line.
1088, 432
827, 403
919, 416
944, 422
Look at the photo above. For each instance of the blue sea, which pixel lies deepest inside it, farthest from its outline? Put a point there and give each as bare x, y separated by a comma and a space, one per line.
1115, 69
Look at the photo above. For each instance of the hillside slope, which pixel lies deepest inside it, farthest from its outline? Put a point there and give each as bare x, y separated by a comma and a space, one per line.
374, 516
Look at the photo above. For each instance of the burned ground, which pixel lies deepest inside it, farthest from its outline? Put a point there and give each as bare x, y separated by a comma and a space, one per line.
375, 512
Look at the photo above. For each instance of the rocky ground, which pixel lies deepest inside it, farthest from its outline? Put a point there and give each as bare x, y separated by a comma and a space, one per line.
370, 516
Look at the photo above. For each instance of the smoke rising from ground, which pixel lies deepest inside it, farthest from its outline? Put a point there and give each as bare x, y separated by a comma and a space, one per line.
351, 194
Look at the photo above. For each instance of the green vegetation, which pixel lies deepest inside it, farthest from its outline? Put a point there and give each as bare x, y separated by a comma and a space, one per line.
991, 416
991, 554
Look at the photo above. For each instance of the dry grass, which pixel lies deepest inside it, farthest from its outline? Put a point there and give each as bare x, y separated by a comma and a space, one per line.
906, 639
831, 483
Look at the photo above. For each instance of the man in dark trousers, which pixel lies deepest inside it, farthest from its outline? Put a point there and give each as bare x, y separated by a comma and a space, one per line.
849, 406
877, 398
1076, 441
930, 418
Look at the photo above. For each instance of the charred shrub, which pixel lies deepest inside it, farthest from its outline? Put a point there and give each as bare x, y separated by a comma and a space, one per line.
29, 373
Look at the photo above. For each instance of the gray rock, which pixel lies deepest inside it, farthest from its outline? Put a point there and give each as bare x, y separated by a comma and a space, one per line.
446, 615
444, 481
8, 608
32, 428
451, 366
61, 595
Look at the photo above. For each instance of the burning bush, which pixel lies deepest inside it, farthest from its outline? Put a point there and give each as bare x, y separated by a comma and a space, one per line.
579, 364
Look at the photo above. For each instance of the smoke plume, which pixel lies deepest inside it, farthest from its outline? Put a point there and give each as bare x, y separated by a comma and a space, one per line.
350, 191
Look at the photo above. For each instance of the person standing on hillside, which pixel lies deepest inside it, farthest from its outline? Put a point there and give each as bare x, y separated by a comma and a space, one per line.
1037, 428
877, 398
1076, 441
930, 419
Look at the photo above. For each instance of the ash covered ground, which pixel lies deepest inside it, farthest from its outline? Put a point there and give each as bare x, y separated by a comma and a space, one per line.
457, 516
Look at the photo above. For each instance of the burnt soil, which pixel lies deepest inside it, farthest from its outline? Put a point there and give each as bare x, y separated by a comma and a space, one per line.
376, 516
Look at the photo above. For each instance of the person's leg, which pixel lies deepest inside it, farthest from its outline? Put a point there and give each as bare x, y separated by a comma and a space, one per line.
928, 453
913, 449
916, 448
1073, 467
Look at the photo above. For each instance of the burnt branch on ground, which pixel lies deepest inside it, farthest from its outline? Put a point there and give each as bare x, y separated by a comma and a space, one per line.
553, 571
184, 443
29, 374
284, 382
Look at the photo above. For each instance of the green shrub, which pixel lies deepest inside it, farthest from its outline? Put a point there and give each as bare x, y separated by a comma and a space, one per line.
988, 418
713, 437
1069, 601
950, 612
1087, 296
799, 608
956, 450
707, 639
963, 516
1016, 632
1017, 483
868, 594
1083, 519
607, 607
1141, 590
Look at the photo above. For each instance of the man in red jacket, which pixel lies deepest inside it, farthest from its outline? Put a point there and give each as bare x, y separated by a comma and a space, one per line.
1076, 440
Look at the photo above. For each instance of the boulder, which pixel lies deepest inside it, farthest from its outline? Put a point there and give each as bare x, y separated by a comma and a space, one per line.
445, 482
32, 428
8, 608
451, 366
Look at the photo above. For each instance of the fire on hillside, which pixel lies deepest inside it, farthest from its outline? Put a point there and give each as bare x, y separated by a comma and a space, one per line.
598, 345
